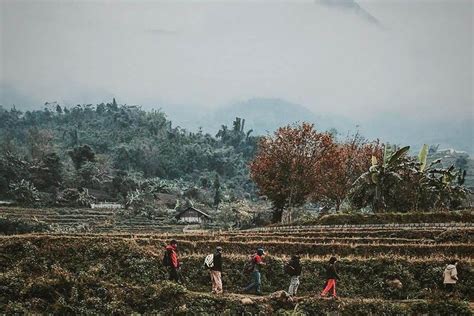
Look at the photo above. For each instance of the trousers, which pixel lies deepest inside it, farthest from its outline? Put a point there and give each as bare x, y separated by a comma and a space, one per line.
294, 283
216, 279
330, 284
256, 283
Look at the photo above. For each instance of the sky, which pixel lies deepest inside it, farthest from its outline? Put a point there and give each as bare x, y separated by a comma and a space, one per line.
361, 59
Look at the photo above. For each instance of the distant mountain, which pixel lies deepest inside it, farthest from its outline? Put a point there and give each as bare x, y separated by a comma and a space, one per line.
263, 115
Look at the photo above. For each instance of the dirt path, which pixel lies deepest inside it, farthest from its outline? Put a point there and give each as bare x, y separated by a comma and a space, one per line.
298, 299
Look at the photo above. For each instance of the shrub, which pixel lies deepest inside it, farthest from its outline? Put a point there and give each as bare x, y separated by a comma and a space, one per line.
18, 226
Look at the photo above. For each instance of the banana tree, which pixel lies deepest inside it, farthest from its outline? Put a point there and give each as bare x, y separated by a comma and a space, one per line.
420, 171
372, 186
447, 187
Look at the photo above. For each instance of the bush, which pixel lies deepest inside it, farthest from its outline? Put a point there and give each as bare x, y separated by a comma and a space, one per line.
17, 226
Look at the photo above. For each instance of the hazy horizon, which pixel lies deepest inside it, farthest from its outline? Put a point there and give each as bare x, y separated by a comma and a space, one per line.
384, 65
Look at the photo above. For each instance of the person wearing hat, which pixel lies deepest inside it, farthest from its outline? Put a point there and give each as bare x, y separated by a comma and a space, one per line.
257, 261
216, 271
173, 261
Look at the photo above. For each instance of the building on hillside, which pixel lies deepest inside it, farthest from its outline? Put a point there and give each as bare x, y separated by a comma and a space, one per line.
192, 215
107, 205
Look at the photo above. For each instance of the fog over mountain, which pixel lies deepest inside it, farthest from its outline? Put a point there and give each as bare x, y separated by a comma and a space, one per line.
400, 70
265, 115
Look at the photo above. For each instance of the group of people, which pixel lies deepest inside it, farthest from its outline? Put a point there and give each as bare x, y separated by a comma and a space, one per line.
213, 263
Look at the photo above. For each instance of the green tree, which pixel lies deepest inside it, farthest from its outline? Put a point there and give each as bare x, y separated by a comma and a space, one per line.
81, 155
217, 192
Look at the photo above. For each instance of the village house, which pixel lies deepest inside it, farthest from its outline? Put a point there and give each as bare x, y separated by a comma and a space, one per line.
192, 215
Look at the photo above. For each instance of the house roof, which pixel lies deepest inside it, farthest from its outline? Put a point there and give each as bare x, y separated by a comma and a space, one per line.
192, 209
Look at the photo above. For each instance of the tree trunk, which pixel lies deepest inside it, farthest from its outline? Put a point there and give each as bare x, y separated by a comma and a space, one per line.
376, 203
277, 215
286, 216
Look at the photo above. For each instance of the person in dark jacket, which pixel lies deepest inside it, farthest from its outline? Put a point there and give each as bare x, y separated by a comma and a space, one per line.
331, 277
293, 268
216, 272
174, 264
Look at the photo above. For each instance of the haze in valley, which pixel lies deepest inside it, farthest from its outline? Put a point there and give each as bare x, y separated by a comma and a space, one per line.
401, 71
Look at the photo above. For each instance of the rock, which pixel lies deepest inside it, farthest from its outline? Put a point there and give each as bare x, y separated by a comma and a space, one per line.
394, 283
281, 296
246, 301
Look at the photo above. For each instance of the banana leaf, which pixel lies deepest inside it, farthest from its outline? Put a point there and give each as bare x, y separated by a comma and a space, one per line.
374, 161
434, 162
399, 153
422, 156
386, 153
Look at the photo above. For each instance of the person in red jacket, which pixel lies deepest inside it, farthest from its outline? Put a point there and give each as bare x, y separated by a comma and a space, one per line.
173, 261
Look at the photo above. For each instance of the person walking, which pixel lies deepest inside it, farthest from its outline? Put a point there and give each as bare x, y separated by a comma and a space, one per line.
216, 271
293, 268
331, 277
171, 261
257, 263
450, 275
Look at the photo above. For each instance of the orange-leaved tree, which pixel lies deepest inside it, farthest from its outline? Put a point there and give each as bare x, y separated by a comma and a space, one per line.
346, 163
286, 167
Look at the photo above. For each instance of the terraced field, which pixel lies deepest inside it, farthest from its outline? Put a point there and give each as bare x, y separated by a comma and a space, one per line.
121, 272
84, 220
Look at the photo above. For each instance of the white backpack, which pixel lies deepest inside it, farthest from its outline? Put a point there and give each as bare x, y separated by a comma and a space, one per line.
209, 261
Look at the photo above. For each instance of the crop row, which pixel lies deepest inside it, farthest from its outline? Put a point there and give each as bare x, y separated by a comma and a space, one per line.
463, 216
341, 249
463, 250
391, 233
454, 237
451, 236
454, 234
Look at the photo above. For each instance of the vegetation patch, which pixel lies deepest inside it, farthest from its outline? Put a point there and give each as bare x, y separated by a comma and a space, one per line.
465, 216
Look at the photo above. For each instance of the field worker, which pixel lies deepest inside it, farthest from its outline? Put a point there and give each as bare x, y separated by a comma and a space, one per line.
216, 271
293, 268
257, 263
171, 260
331, 277
450, 276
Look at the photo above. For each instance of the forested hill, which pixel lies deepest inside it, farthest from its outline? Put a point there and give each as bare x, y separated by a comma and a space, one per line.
117, 149
90, 145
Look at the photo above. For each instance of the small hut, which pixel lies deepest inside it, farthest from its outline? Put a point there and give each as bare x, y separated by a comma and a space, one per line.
192, 215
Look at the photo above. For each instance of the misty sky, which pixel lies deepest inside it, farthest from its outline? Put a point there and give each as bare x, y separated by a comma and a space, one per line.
332, 56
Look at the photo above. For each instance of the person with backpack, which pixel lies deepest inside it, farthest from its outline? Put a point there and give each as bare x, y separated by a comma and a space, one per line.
171, 261
256, 262
293, 268
214, 263
331, 277
450, 276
